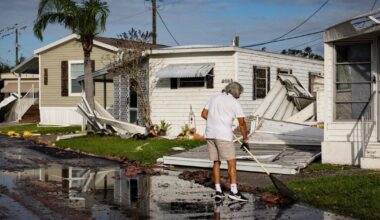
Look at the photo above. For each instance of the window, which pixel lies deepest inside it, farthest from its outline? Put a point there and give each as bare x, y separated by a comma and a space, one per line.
352, 80
261, 82
284, 71
133, 108
76, 69
314, 82
192, 82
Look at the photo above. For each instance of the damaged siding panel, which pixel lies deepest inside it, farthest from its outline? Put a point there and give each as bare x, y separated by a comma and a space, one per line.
300, 68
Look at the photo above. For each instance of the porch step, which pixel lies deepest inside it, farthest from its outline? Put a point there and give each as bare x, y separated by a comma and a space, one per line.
32, 115
370, 162
372, 150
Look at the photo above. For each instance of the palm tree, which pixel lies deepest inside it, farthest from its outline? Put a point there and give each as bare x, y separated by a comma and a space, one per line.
87, 19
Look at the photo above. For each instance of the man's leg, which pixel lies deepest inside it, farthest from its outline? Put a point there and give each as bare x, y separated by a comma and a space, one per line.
216, 172
234, 194
232, 170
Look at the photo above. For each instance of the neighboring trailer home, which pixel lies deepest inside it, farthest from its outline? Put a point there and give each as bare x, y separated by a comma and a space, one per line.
352, 128
59, 64
184, 78
11, 83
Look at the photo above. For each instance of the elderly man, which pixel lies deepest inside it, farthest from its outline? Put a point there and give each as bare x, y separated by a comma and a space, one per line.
219, 112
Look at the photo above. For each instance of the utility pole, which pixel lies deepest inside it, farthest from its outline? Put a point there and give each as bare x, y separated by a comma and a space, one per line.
154, 30
16, 32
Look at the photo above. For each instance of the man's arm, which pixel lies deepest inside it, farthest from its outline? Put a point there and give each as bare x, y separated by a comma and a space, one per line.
204, 113
243, 129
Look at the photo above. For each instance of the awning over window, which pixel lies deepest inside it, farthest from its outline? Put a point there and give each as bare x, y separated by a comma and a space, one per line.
24, 87
185, 70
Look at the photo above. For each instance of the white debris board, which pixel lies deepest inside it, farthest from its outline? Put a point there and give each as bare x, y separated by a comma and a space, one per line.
290, 160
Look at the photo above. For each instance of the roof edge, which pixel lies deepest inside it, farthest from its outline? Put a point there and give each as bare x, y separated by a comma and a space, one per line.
71, 37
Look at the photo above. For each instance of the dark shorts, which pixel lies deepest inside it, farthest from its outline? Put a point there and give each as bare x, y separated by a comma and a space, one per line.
220, 149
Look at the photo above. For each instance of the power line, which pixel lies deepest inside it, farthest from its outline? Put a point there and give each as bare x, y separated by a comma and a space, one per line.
284, 39
373, 6
302, 44
303, 22
299, 36
163, 22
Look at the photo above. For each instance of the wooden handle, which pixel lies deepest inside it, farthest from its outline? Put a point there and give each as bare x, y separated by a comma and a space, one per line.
249, 152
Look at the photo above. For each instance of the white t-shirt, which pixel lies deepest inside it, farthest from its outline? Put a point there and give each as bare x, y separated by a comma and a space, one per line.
222, 110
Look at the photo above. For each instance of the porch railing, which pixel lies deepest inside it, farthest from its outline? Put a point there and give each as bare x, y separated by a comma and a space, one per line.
23, 104
362, 130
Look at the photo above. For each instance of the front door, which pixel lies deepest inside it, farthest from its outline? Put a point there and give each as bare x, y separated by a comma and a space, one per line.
132, 105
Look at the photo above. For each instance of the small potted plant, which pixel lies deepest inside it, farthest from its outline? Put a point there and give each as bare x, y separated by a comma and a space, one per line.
163, 128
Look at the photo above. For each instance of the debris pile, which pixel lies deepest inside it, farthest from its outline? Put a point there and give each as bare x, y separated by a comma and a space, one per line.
288, 100
103, 122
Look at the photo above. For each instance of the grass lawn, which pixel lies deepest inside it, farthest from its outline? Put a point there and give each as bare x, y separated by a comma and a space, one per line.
145, 151
33, 128
355, 195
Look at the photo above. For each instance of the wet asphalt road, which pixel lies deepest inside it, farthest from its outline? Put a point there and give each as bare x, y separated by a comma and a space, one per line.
45, 183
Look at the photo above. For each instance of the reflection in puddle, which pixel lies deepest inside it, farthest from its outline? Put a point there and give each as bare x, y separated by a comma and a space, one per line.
107, 193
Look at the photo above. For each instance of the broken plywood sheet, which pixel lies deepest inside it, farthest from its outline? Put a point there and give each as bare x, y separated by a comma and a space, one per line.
281, 132
290, 159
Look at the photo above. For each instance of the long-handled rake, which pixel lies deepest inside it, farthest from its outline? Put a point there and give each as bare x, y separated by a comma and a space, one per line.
280, 186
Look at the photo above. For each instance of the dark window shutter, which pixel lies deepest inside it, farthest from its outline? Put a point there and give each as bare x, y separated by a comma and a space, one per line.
210, 80
173, 83
45, 76
93, 70
254, 84
268, 79
64, 79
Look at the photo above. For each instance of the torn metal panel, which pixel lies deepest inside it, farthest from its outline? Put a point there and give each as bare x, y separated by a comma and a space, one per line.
304, 115
285, 99
100, 120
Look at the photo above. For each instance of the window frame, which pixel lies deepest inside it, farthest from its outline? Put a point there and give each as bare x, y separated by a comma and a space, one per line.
311, 74
334, 85
70, 62
267, 81
203, 79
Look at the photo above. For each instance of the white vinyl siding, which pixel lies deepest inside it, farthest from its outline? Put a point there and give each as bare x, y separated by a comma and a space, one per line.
173, 105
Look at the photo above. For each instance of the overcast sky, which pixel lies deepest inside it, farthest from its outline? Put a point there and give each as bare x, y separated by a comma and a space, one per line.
194, 22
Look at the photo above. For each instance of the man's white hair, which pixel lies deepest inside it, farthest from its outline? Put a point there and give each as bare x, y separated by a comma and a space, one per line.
234, 88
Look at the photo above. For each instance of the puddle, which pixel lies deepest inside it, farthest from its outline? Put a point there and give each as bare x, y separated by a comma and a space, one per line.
107, 193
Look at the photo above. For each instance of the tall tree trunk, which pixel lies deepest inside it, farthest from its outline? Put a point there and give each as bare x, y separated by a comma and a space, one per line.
88, 80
